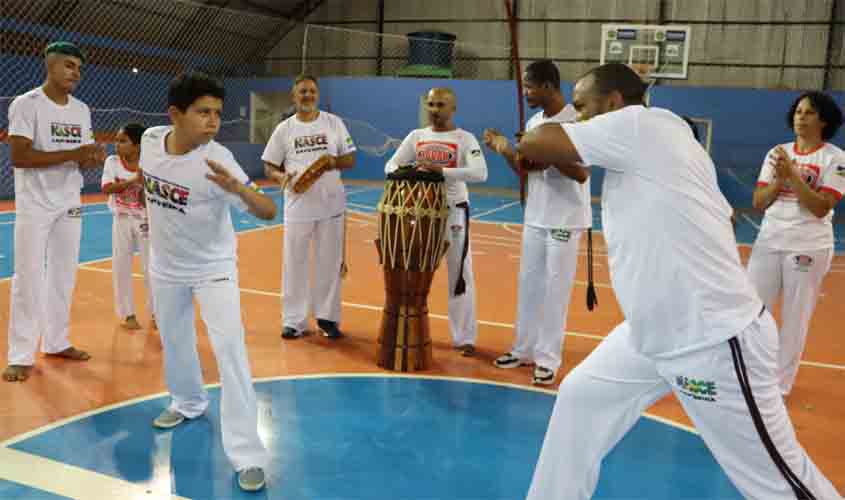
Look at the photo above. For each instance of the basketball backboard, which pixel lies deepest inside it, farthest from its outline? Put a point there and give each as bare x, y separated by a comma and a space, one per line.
655, 51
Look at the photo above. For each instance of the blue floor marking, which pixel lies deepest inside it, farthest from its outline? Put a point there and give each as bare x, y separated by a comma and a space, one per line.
379, 438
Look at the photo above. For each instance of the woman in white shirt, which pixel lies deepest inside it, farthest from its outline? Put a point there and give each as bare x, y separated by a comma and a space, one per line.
799, 184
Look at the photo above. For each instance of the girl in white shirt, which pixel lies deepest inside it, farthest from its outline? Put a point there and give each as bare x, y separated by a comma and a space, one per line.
123, 182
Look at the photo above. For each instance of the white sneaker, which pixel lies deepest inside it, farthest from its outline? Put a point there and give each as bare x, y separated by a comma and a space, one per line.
251, 479
168, 419
544, 376
508, 360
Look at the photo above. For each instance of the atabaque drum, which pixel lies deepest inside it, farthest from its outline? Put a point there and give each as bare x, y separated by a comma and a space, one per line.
413, 215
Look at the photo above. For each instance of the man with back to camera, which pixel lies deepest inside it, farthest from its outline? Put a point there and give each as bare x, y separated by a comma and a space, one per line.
694, 324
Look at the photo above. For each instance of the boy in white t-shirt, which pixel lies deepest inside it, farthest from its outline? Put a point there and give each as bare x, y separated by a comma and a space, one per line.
694, 324
50, 139
123, 182
453, 152
314, 216
191, 182
557, 211
799, 185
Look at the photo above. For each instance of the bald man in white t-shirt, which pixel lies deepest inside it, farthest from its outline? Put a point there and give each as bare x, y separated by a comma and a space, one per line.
50, 139
455, 153
694, 325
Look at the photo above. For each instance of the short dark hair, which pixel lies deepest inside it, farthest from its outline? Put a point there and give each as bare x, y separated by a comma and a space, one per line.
542, 72
306, 77
134, 131
825, 106
620, 78
188, 87
64, 48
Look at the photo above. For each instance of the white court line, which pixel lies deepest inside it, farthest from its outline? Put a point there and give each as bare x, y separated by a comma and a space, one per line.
361, 190
78, 483
360, 205
509, 239
95, 261
62, 422
84, 214
497, 324
507, 227
751, 221
488, 212
85, 267
482, 241
70, 481
489, 323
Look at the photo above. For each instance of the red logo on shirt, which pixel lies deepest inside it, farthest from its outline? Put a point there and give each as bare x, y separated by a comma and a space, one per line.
442, 154
810, 176
129, 197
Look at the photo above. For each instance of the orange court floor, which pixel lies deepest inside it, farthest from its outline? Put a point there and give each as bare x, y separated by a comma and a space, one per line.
128, 364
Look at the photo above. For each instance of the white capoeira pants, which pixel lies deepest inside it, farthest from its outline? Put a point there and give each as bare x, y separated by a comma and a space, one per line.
546, 274
323, 294
46, 261
462, 311
799, 276
219, 301
730, 392
127, 233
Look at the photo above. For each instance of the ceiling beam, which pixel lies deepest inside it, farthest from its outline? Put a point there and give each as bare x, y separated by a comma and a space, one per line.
297, 15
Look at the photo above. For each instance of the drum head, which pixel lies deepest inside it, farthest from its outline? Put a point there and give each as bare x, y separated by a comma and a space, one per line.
411, 174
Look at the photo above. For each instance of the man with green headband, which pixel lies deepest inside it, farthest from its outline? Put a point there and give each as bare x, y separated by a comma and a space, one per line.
50, 139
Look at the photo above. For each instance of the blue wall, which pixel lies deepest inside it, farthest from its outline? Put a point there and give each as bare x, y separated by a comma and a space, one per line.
746, 122
392, 106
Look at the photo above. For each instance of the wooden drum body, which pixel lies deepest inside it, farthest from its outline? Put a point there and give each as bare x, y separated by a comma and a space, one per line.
413, 214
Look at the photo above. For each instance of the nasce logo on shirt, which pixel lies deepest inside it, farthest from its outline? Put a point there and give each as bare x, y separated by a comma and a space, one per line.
166, 194
66, 132
308, 143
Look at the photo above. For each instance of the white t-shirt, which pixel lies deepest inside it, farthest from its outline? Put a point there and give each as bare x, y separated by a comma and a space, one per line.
191, 233
789, 226
296, 145
552, 200
674, 262
50, 127
130, 201
457, 151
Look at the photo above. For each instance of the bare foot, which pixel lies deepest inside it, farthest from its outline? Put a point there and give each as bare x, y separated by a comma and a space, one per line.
71, 353
16, 373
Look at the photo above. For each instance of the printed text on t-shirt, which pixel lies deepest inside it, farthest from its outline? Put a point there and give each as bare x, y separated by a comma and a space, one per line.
310, 143
166, 194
